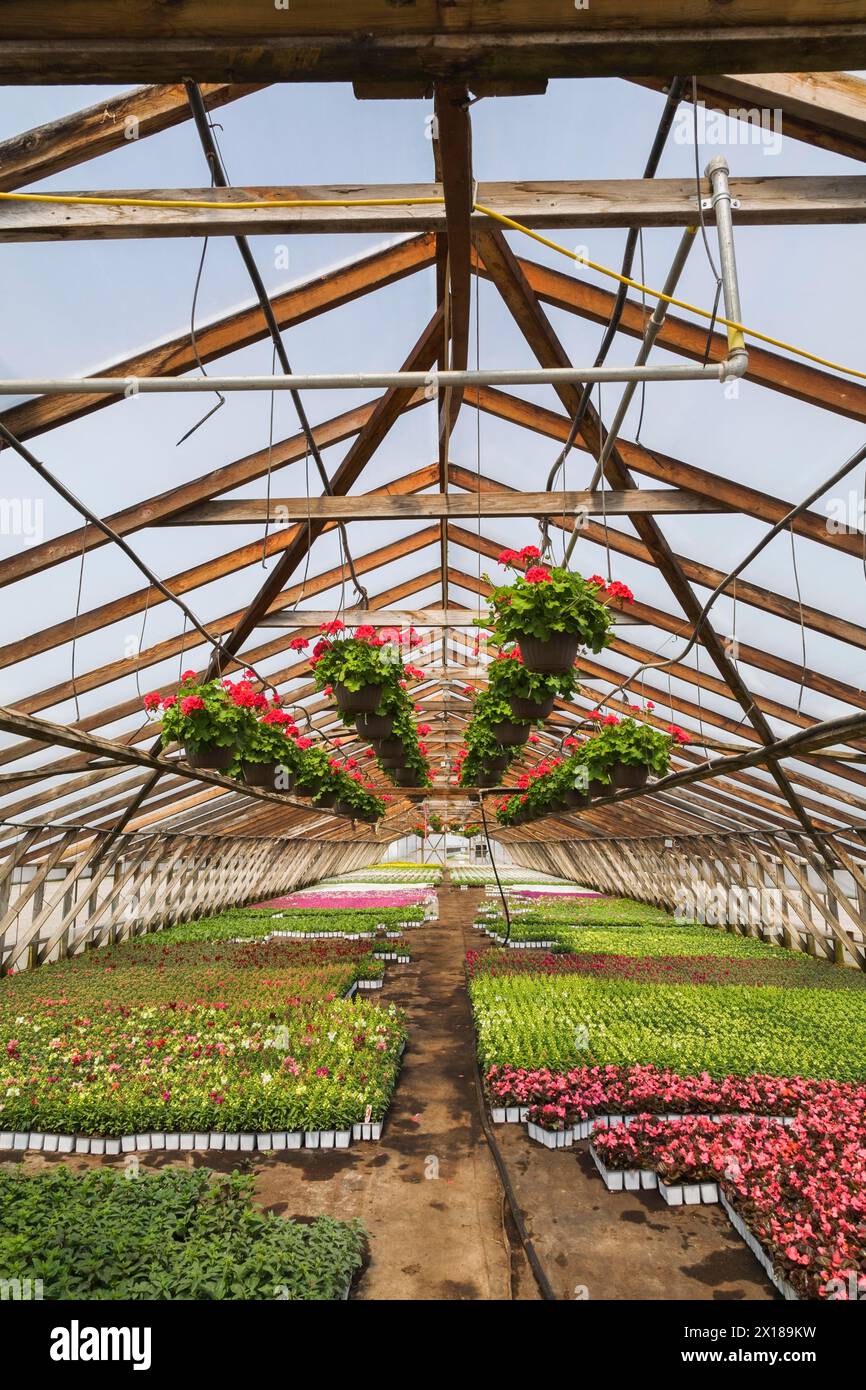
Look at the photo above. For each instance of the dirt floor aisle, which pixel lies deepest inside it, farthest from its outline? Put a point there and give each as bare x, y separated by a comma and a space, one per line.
428, 1193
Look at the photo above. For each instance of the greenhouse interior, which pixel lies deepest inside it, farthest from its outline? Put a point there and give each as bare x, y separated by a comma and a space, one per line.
433, 812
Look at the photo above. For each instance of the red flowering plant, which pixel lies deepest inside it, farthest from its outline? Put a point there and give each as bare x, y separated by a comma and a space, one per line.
509, 676
215, 714
271, 738
627, 742
549, 601
353, 662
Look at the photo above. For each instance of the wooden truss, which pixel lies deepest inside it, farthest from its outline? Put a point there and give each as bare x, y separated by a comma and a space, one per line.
92, 815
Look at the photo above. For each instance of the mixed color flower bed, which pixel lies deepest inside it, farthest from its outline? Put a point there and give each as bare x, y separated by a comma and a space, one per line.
337, 900
635, 1015
193, 1029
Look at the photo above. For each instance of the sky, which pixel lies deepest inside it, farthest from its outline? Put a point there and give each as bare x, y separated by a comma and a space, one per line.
69, 308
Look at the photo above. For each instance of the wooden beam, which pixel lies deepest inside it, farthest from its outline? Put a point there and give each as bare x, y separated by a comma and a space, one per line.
372, 507
766, 201
475, 41
383, 617
109, 125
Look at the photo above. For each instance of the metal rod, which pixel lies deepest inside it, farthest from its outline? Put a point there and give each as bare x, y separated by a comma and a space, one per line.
349, 381
717, 172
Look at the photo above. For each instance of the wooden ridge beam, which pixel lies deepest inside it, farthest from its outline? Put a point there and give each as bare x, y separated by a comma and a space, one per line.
548, 205
375, 44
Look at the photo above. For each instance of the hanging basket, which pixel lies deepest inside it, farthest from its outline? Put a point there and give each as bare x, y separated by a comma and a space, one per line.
406, 777
487, 779
209, 755
511, 735
363, 701
343, 808
326, 800
260, 775
597, 789
499, 764
577, 800
551, 657
628, 776
530, 711
390, 748
373, 727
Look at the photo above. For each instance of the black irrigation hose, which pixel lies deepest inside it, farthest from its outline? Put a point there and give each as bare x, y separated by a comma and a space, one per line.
505, 907
544, 1285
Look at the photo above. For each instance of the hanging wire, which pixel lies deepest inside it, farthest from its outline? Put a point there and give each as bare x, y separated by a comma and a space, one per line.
141, 643
644, 320
194, 344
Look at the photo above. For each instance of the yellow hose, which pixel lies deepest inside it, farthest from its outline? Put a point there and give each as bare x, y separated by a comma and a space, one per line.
259, 204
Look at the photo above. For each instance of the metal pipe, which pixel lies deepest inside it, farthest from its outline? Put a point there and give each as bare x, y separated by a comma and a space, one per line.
430, 382
717, 172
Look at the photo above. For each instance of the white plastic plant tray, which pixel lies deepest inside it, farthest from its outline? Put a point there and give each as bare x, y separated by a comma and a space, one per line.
190, 1140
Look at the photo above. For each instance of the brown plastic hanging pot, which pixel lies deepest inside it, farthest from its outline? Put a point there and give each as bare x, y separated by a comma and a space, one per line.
509, 734
374, 727
389, 748
363, 701
406, 777
628, 776
260, 775
210, 755
530, 711
552, 657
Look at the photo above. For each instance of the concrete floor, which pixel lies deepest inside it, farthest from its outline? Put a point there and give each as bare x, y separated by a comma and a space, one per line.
430, 1196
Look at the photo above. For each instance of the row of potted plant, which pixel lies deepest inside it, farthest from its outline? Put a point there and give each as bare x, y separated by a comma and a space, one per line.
588, 1092
365, 674
230, 726
564, 1020
799, 1189
186, 1234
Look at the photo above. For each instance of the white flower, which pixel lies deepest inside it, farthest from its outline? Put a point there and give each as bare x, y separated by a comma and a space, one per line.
266, 1077
13, 1090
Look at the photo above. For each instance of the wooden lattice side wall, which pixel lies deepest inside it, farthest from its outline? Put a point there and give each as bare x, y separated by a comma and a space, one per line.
57, 898
776, 887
